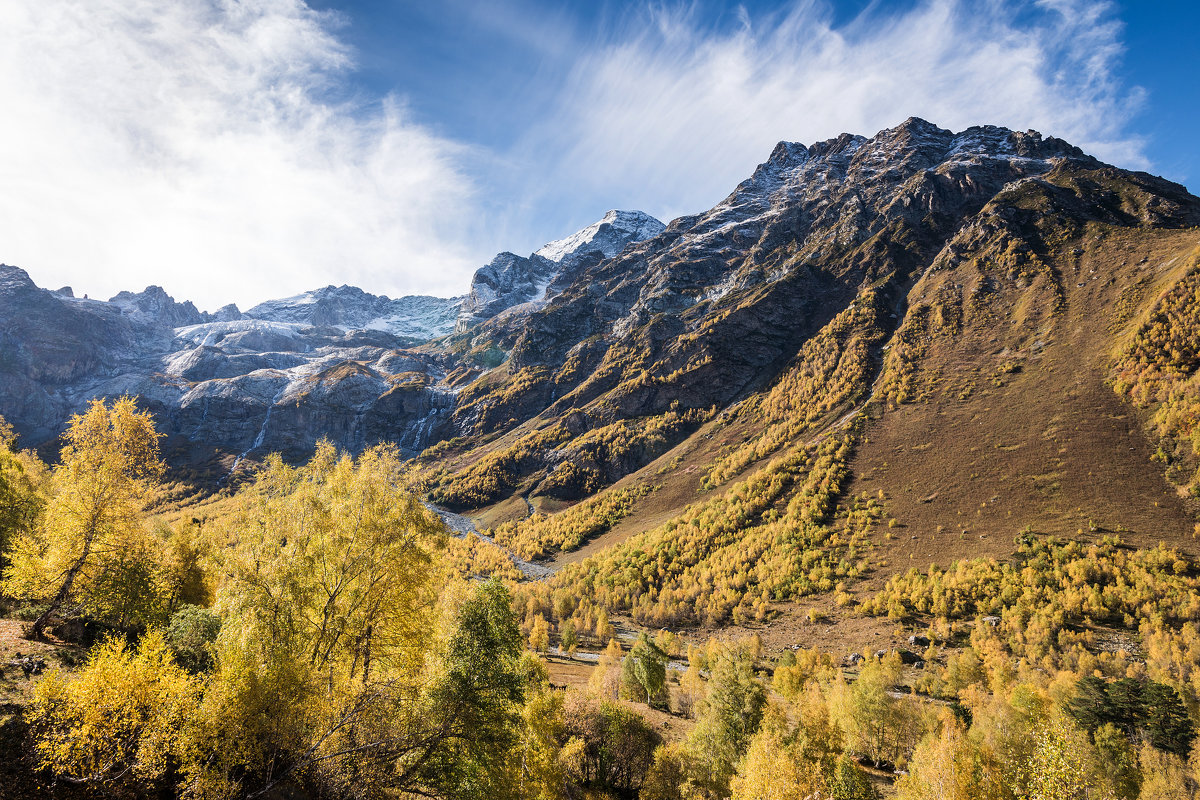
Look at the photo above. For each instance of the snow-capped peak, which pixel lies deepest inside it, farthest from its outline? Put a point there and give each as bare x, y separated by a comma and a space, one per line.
610, 235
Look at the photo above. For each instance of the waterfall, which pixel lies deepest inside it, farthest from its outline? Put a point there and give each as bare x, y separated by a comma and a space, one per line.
262, 432
416, 436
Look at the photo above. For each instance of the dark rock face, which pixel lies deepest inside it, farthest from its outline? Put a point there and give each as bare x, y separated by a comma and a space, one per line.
741, 285
50, 343
506, 281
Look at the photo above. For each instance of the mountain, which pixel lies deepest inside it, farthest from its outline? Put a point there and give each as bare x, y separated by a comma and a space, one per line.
335, 362
962, 334
224, 385
980, 331
510, 280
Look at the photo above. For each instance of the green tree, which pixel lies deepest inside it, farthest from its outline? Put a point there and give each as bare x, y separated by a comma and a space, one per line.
731, 715
478, 698
849, 783
568, 637
1135, 707
644, 671
1166, 720
615, 745
191, 634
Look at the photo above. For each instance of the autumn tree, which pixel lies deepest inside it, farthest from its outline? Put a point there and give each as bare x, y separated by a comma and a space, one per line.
121, 719
877, 725
22, 478
336, 562
772, 768
329, 623
90, 542
692, 688
943, 766
539, 635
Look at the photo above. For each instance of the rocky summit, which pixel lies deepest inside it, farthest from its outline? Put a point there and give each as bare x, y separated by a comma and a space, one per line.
510, 281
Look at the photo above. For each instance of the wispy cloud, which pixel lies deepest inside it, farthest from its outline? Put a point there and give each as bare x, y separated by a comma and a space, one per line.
212, 146
204, 146
671, 113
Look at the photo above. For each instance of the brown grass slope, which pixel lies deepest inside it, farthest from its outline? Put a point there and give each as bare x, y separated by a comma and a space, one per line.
1009, 419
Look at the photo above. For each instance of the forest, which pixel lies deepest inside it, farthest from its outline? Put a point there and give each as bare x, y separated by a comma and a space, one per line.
320, 633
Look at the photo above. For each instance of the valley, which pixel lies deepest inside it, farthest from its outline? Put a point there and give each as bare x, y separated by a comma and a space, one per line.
906, 428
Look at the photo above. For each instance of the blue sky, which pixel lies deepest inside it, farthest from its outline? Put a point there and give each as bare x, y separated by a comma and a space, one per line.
235, 150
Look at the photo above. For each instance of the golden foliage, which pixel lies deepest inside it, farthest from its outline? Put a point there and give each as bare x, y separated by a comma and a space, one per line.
829, 374
1160, 371
541, 534
92, 542
122, 717
732, 554
314, 557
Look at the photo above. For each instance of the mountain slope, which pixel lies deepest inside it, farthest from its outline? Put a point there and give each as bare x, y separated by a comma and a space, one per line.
715, 306
967, 333
921, 327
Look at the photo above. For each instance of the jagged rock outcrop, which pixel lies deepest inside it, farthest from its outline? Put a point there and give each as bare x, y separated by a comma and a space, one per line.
155, 307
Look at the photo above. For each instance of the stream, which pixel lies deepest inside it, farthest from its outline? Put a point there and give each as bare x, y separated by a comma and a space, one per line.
463, 526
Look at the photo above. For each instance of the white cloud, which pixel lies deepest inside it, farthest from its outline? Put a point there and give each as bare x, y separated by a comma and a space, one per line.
201, 146
669, 116
209, 146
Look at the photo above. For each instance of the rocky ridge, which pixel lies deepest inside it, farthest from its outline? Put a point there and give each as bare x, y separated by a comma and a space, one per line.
623, 327
335, 362
510, 280
713, 309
